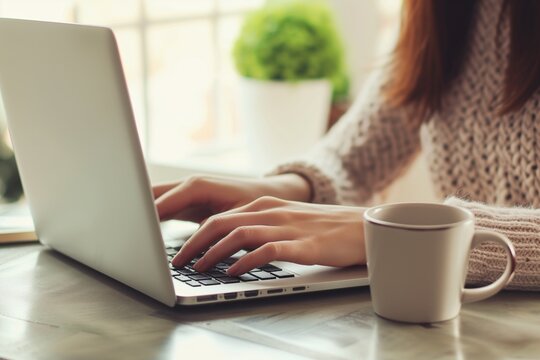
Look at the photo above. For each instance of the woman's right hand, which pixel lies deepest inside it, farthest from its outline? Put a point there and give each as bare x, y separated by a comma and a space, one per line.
200, 197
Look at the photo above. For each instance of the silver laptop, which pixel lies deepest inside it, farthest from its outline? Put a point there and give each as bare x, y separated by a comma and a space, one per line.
85, 178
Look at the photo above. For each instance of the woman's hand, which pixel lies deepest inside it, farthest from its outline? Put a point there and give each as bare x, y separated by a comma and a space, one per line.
199, 197
276, 229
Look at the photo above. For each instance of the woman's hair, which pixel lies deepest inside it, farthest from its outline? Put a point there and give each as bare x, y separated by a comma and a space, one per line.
431, 49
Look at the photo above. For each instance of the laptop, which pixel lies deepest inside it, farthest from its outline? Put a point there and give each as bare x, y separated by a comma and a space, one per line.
85, 179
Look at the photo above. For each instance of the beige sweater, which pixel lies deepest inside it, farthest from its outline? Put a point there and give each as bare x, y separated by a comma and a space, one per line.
479, 160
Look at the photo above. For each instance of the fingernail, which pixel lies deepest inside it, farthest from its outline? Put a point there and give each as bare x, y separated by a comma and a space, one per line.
199, 265
175, 262
232, 271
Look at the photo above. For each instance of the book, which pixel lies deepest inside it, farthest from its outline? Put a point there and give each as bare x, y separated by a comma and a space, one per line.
16, 229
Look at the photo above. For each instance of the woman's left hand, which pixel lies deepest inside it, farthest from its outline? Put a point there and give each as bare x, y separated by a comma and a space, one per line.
276, 229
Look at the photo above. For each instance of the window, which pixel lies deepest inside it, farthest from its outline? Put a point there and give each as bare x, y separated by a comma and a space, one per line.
177, 59
176, 56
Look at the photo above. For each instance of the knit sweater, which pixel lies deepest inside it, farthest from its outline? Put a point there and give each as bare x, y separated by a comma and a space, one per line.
478, 159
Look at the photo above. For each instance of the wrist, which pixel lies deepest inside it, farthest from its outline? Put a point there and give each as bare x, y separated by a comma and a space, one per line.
288, 187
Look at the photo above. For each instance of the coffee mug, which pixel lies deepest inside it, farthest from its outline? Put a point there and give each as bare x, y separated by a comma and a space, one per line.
417, 256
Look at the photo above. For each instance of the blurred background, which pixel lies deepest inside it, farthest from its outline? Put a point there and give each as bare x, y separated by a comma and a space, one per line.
177, 57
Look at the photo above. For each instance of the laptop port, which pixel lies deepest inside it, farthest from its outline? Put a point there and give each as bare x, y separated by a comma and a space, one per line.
299, 288
206, 298
251, 293
230, 296
274, 291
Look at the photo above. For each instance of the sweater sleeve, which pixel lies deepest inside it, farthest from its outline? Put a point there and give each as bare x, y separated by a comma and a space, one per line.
362, 154
522, 227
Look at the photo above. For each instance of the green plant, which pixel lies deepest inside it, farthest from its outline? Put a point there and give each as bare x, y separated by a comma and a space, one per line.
10, 182
292, 40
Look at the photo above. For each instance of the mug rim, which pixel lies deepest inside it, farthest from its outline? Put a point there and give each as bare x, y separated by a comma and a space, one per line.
370, 218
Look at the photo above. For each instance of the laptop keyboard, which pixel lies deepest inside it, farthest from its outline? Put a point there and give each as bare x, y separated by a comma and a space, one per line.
218, 274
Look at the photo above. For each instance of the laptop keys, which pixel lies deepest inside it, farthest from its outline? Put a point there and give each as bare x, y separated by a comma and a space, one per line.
182, 278
171, 252
263, 275
282, 274
209, 282
199, 277
186, 271
230, 261
247, 277
218, 275
228, 280
269, 268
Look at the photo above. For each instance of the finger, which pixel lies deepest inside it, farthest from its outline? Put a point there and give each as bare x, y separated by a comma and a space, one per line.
161, 189
193, 213
260, 204
254, 206
243, 237
215, 229
180, 198
291, 250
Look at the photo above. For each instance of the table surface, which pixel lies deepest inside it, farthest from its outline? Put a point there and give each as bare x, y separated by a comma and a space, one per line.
51, 307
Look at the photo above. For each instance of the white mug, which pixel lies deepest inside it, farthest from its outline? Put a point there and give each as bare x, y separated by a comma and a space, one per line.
417, 256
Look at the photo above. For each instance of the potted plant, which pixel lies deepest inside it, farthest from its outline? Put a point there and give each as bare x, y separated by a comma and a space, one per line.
10, 182
291, 61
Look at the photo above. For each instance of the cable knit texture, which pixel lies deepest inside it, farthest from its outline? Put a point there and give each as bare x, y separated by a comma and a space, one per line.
473, 153
522, 226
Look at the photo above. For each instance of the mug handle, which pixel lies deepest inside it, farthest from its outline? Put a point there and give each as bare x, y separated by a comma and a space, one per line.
477, 294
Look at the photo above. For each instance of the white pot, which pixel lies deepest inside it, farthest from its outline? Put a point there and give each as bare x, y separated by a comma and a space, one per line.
282, 120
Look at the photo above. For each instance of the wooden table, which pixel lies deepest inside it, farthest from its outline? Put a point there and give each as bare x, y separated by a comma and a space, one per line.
54, 308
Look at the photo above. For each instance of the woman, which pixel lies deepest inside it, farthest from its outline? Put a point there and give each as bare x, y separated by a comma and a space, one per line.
463, 86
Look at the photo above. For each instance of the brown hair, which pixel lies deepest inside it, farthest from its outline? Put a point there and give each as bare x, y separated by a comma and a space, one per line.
432, 44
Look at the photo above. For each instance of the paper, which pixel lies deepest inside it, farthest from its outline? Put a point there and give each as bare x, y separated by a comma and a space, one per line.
16, 228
